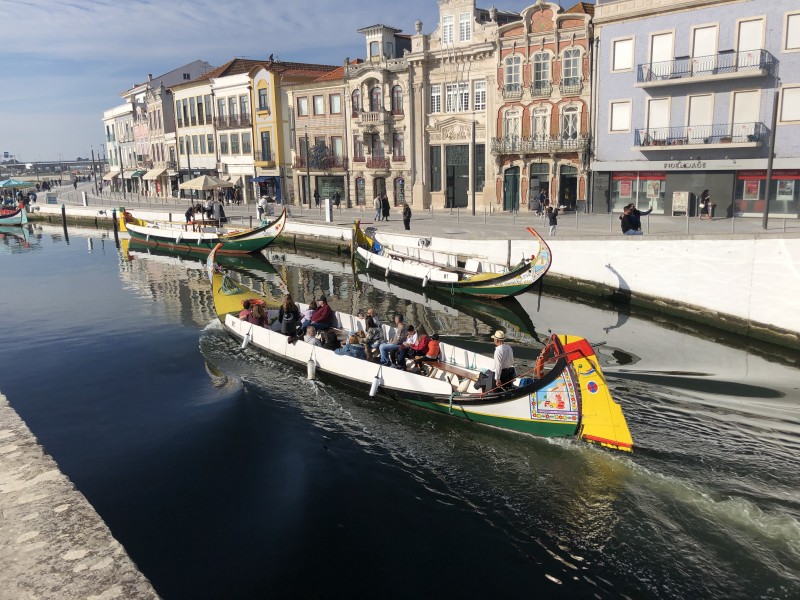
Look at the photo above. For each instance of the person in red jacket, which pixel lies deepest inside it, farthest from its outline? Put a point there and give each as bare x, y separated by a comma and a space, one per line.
323, 317
418, 348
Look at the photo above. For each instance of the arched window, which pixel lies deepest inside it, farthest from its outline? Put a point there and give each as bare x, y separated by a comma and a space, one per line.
375, 97
397, 100
571, 67
356, 102
569, 123
512, 72
540, 124
541, 73
511, 124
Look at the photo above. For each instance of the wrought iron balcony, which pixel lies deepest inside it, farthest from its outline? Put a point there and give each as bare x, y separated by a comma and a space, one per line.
377, 162
329, 162
724, 65
571, 86
359, 159
541, 89
743, 135
540, 144
398, 158
233, 121
512, 91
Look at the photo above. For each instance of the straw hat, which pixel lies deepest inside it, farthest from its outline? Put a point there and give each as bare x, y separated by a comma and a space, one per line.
499, 335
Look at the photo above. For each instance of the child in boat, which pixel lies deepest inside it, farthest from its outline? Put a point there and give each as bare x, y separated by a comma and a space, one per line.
252, 312
418, 347
432, 353
311, 337
307, 313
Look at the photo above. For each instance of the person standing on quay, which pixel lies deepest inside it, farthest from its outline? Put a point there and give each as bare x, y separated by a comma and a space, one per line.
377, 204
316, 198
385, 206
406, 216
552, 218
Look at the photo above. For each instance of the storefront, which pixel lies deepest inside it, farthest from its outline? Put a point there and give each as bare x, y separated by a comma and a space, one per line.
750, 192
269, 186
539, 182
327, 185
645, 189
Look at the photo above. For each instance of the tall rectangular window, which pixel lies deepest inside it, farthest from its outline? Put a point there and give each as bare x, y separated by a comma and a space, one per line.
337, 146
210, 142
463, 97
792, 39
200, 112
479, 88
335, 101
451, 98
319, 105
436, 98
464, 27
221, 107
223, 143
178, 116
202, 144
436, 168
266, 146
622, 55
571, 67
398, 151
232, 111
244, 105
263, 101
790, 105
620, 116
302, 107
193, 110
480, 167
209, 108
301, 144
195, 145
247, 144
234, 143
448, 24
358, 147
181, 145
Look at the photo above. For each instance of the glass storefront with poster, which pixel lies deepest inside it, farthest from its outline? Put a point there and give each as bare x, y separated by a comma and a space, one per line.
750, 192
645, 189
539, 182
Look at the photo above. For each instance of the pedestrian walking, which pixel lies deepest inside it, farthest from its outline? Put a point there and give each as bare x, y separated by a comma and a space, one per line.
316, 198
385, 206
542, 203
552, 218
377, 205
705, 205
406, 216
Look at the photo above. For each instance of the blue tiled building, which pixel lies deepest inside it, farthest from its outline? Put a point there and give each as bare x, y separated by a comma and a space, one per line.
684, 100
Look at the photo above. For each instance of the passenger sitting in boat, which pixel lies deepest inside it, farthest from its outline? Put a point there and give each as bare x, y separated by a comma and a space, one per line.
352, 348
323, 317
389, 349
329, 340
308, 313
311, 337
371, 312
252, 313
504, 371
413, 348
431, 354
288, 316
373, 336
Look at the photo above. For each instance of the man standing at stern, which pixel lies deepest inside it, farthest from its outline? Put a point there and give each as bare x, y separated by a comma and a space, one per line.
504, 371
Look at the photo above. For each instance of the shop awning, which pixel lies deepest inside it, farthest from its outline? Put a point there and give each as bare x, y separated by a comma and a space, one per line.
263, 178
154, 173
109, 176
138, 173
128, 174
171, 173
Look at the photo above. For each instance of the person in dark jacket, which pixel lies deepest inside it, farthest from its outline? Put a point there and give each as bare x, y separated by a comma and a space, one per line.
288, 316
353, 348
406, 216
628, 222
385, 207
323, 317
552, 219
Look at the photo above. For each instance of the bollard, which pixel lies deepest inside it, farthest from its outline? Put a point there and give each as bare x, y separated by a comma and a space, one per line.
458, 214
251, 221
484, 215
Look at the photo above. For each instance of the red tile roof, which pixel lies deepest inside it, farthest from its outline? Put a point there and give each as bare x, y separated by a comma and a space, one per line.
237, 66
338, 72
582, 8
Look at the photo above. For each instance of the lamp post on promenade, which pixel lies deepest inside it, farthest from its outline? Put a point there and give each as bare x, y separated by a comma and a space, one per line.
308, 170
121, 178
94, 173
768, 182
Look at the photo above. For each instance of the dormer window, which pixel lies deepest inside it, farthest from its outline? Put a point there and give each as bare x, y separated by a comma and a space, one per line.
374, 50
390, 49
448, 26
464, 27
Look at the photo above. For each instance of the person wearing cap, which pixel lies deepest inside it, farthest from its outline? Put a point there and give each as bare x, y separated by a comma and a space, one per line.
323, 317
504, 371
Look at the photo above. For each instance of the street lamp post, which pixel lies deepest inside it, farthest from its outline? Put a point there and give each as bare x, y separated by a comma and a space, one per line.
765, 218
121, 177
308, 170
94, 173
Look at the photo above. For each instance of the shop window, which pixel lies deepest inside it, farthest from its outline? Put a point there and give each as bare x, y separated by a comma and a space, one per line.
436, 168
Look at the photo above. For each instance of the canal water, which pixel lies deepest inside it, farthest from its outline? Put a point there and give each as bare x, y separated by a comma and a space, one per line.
226, 474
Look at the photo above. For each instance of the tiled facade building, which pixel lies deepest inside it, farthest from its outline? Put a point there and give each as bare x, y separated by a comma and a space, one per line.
684, 103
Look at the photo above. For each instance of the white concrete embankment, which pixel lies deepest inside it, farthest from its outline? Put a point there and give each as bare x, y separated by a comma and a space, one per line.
749, 281
52, 542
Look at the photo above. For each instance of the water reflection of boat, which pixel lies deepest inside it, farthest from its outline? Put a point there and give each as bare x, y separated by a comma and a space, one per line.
15, 237
565, 395
507, 315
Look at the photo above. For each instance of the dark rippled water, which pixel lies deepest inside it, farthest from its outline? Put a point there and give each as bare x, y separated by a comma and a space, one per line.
248, 481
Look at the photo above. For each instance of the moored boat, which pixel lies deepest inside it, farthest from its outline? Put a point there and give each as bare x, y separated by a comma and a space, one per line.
17, 216
564, 395
172, 236
444, 273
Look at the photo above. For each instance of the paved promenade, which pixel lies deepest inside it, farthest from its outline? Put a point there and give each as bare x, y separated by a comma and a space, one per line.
52, 542
461, 223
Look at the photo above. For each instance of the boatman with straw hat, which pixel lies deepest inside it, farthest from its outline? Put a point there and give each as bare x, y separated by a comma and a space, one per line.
503, 360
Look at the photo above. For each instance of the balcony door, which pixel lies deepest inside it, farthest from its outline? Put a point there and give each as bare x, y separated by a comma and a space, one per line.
704, 50
750, 43
746, 106
658, 118
661, 55
541, 126
700, 118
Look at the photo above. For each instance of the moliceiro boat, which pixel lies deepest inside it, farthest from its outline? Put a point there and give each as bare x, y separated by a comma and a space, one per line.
175, 237
16, 216
565, 395
445, 273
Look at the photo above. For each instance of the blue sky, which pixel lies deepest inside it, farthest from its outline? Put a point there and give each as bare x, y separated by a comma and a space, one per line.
66, 61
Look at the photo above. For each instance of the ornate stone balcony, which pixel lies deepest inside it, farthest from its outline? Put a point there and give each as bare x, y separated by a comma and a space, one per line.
540, 144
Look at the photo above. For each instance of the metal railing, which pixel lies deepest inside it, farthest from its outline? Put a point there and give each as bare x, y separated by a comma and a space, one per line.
329, 162
372, 117
232, 121
512, 91
749, 62
541, 89
720, 133
379, 162
540, 144
571, 85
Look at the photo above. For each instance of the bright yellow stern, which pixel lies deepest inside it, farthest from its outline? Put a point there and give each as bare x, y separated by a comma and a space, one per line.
602, 420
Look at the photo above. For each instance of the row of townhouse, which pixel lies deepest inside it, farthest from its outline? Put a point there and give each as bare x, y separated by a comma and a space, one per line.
643, 101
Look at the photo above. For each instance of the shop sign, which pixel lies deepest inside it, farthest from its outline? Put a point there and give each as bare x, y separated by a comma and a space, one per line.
689, 165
